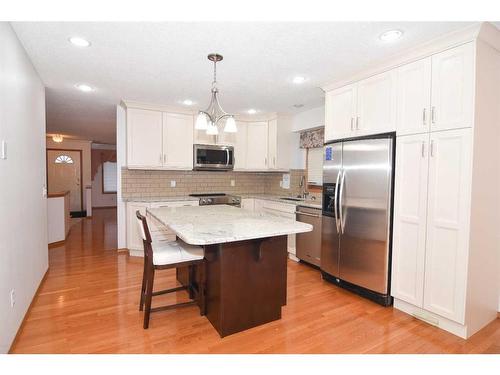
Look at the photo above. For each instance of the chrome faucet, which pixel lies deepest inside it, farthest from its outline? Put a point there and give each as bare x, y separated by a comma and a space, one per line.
302, 185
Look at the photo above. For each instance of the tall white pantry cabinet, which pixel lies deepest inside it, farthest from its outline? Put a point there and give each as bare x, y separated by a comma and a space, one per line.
446, 223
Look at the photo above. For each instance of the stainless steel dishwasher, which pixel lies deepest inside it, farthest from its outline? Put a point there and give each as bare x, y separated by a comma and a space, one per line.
308, 245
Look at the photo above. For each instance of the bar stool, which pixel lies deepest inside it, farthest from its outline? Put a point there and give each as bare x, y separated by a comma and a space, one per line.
162, 255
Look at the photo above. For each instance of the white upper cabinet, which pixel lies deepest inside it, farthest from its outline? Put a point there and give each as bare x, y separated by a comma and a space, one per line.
159, 140
376, 106
410, 215
448, 223
240, 146
272, 141
414, 97
340, 112
177, 140
257, 145
452, 97
144, 138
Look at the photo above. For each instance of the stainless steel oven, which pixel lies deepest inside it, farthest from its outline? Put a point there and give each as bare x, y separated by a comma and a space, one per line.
213, 157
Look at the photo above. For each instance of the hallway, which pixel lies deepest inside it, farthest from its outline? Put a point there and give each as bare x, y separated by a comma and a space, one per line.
88, 303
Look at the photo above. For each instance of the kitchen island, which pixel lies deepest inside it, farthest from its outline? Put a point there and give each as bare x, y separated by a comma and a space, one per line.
246, 255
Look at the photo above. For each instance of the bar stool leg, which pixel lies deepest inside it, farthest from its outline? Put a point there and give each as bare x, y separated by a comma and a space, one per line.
202, 289
143, 288
149, 295
191, 270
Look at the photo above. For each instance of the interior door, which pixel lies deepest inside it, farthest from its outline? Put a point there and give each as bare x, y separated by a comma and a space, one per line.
410, 218
453, 88
365, 196
447, 223
64, 173
414, 97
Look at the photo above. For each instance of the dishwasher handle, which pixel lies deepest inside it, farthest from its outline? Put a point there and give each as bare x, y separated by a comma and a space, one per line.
306, 214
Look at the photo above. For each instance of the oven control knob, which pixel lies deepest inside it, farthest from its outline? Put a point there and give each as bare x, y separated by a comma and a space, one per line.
209, 200
203, 201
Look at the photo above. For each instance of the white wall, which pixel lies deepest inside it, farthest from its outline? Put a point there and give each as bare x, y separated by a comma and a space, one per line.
309, 119
23, 218
121, 161
312, 118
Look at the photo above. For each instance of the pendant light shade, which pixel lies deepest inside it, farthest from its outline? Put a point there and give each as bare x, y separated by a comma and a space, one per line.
230, 125
212, 129
201, 122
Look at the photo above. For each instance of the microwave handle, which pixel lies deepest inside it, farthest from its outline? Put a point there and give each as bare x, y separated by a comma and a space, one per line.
227, 159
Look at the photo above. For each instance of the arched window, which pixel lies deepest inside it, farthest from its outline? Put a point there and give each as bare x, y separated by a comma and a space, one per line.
63, 159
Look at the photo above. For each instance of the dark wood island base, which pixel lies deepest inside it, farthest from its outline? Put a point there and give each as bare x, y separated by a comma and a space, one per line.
246, 283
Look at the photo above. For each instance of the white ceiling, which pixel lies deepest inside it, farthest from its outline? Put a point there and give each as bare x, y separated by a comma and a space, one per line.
166, 63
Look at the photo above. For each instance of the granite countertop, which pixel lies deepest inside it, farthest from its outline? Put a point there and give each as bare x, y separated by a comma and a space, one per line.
205, 225
161, 199
279, 198
275, 198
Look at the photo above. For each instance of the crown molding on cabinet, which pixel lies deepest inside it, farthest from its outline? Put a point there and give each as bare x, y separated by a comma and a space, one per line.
157, 107
481, 30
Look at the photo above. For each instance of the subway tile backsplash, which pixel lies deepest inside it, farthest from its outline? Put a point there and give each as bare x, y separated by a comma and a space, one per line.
149, 183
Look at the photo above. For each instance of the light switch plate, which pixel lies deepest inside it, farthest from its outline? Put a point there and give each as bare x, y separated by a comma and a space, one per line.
172, 183
3, 149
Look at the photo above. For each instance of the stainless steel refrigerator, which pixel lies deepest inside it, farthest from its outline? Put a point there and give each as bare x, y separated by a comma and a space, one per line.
356, 233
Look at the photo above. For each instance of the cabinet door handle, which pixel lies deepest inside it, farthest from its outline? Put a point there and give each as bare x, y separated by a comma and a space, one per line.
352, 123
424, 120
265, 161
161, 158
357, 123
433, 114
432, 148
423, 149
164, 158
274, 161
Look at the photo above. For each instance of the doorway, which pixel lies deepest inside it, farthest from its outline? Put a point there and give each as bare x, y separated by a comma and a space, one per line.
64, 173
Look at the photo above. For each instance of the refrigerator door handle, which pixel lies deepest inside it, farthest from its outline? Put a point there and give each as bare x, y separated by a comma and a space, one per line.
335, 202
341, 213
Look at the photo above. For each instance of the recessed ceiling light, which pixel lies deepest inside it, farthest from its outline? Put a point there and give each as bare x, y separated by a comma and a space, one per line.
79, 42
252, 111
84, 88
298, 80
187, 102
391, 35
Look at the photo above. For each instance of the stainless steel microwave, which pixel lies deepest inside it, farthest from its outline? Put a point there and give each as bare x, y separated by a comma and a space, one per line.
213, 157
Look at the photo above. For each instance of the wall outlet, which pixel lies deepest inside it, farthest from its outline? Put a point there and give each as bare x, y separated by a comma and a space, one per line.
281, 183
12, 298
172, 183
233, 183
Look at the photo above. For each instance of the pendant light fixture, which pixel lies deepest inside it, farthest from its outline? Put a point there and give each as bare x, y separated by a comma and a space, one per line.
211, 118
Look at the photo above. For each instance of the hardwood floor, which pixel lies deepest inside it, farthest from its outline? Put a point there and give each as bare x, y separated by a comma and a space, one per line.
88, 303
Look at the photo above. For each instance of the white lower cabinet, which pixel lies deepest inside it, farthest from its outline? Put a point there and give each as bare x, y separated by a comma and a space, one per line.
284, 210
410, 217
158, 231
431, 226
448, 223
248, 204
134, 240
